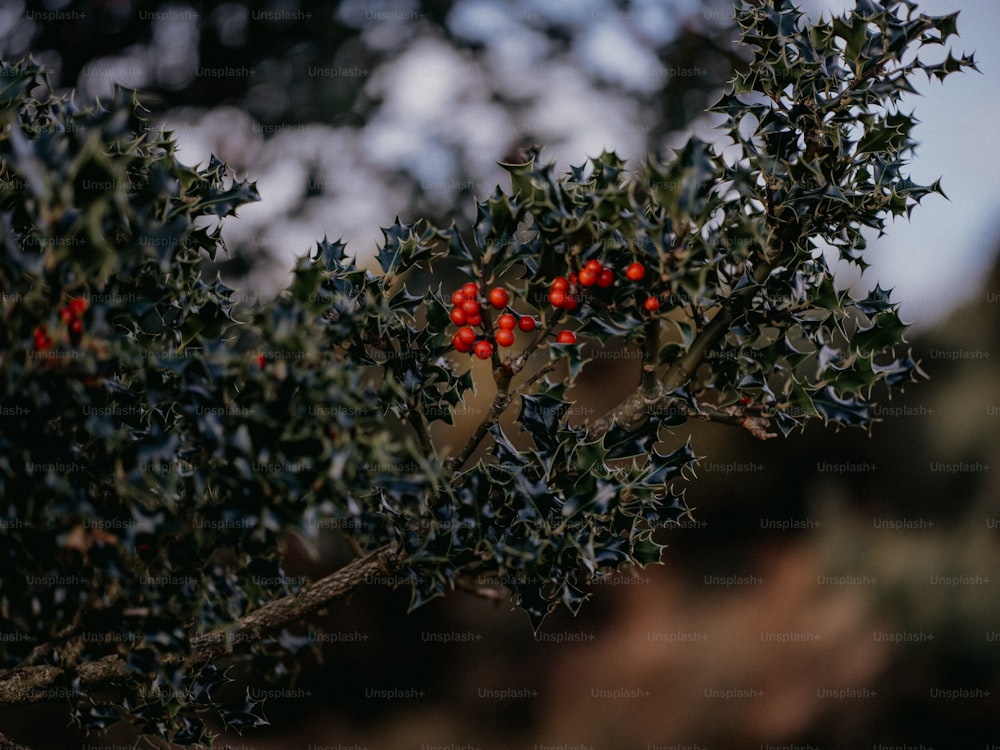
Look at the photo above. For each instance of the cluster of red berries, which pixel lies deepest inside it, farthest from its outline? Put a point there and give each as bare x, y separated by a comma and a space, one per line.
560, 295
72, 315
467, 313
595, 273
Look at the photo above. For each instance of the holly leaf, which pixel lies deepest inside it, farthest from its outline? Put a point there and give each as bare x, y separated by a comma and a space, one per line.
622, 443
885, 331
540, 417
331, 255
846, 411
573, 356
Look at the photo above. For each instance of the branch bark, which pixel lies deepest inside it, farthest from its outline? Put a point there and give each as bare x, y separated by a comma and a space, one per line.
6, 743
35, 684
756, 424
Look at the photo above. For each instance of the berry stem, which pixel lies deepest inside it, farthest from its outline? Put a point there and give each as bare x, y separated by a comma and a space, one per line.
543, 332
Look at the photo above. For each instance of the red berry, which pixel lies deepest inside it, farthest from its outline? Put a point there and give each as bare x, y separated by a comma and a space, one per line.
588, 277
458, 317
457, 298
467, 336
507, 321
505, 337
526, 323
499, 297
460, 345
261, 360
570, 303
470, 289
593, 266
605, 278
470, 307
652, 304
42, 338
474, 320
78, 306
560, 283
66, 314
635, 272
484, 349
566, 337
572, 279
557, 298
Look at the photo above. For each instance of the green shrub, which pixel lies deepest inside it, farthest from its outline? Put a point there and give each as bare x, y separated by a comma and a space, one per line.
158, 441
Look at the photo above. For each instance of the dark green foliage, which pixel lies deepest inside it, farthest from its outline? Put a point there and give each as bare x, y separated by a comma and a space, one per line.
152, 463
150, 467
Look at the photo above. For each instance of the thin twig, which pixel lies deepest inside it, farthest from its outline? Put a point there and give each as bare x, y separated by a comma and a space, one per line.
420, 426
756, 424
500, 403
535, 377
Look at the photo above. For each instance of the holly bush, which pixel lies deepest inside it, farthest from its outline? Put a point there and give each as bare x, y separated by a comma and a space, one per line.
159, 440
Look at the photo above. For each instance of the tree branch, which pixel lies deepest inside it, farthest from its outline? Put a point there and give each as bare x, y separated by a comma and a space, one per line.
535, 377
642, 403
35, 684
6, 743
419, 422
756, 424
649, 382
500, 402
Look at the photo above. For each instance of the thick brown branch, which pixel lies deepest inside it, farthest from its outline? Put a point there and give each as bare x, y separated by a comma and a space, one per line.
35, 684
272, 617
649, 382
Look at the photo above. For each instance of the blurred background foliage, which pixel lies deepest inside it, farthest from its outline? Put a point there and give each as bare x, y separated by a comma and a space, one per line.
348, 113
361, 110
